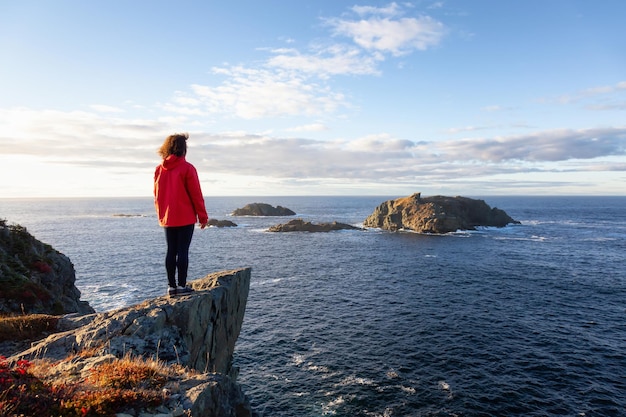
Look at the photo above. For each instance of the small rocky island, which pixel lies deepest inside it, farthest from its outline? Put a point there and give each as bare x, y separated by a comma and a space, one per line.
436, 214
299, 225
221, 223
262, 209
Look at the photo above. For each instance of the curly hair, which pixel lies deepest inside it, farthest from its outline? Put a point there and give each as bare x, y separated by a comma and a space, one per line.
175, 144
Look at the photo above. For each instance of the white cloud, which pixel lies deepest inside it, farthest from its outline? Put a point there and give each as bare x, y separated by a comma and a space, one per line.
391, 10
395, 36
69, 136
333, 60
545, 146
257, 93
292, 82
605, 90
436, 5
607, 106
496, 108
88, 138
384, 158
115, 152
380, 143
466, 129
313, 127
103, 108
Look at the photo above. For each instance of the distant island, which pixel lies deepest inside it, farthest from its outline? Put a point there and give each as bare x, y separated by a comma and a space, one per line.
221, 223
262, 209
299, 225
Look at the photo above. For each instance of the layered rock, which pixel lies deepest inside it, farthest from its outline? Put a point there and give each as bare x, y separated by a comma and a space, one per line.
262, 209
34, 277
197, 331
299, 225
437, 214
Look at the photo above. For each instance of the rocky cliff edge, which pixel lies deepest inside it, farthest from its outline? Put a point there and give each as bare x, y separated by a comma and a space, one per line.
197, 331
34, 277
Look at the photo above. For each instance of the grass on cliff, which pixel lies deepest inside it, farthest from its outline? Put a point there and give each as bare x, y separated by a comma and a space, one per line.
35, 388
131, 383
26, 327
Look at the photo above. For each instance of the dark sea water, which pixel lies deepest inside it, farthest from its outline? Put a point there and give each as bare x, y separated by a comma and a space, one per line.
527, 320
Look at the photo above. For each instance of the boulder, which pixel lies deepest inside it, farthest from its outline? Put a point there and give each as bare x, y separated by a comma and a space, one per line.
299, 225
34, 277
262, 209
437, 214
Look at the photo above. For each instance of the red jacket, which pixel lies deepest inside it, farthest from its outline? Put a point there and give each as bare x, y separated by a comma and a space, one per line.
178, 198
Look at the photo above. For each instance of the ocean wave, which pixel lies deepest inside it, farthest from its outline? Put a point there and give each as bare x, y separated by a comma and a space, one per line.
265, 282
355, 380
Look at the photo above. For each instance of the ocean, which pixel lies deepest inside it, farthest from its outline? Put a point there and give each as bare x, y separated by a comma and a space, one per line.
526, 320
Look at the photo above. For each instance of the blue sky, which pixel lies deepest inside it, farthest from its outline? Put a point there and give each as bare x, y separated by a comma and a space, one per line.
285, 97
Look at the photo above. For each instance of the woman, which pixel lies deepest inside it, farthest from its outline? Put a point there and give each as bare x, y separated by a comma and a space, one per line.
179, 204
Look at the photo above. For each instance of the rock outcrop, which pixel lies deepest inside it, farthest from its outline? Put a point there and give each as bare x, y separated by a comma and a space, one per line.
221, 223
197, 331
437, 214
262, 209
34, 277
299, 225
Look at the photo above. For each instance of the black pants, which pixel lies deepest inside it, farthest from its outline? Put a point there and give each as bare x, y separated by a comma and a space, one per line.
177, 257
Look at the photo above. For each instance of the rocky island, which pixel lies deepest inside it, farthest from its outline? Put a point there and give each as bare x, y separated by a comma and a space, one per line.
299, 225
262, 209
436, 215
221, 223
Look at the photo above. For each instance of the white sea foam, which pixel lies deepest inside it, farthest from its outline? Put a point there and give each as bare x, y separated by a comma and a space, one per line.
355, 380
392, 374
408, 390
531, 238
266, 282
297, 359
317, 368
330, 408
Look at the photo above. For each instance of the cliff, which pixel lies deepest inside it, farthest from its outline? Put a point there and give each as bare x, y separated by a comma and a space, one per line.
197, 331
437, 214
34, 277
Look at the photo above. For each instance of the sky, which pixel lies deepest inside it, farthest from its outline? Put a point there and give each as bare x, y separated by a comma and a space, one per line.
325, 97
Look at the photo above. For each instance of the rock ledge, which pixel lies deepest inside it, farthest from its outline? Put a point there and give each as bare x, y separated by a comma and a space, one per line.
197, 331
